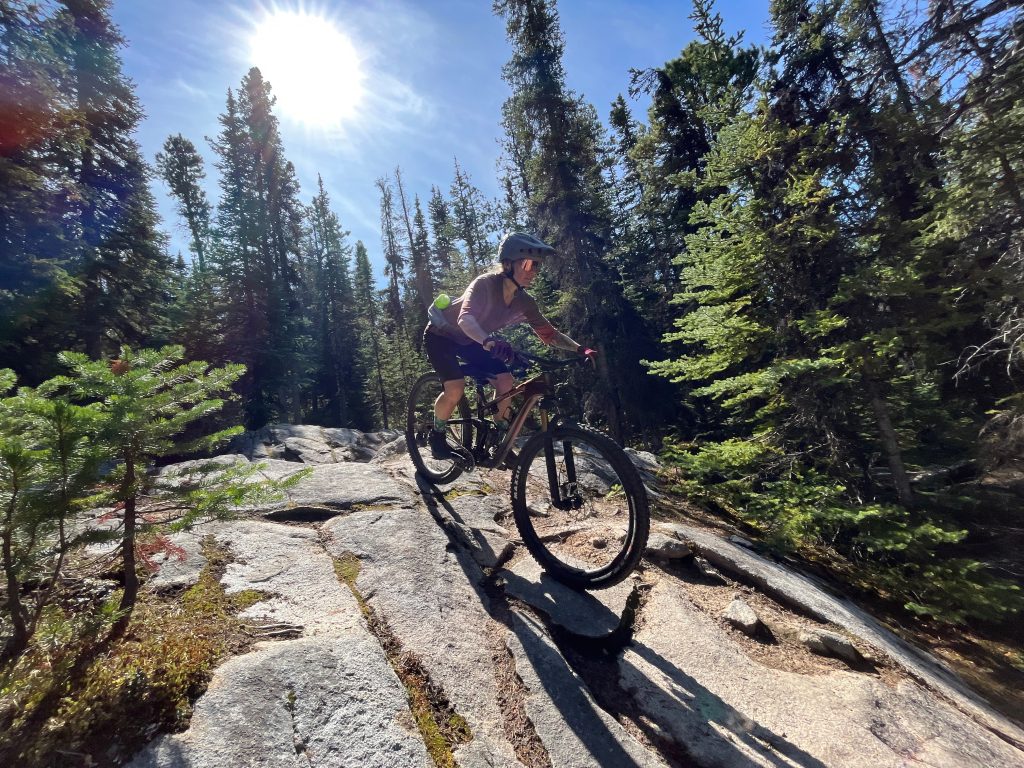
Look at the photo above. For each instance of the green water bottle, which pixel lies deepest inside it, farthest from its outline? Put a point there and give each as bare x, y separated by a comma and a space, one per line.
435, 314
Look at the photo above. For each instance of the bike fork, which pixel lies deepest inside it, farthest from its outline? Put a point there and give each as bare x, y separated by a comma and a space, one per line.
564, 495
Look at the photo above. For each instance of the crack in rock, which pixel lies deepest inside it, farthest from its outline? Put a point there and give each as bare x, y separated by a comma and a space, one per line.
440, 726
300, 744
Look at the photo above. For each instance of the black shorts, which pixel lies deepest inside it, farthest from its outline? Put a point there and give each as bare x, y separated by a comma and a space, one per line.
444, 354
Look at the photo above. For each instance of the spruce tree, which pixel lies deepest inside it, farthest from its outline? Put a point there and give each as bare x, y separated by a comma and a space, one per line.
119, 260
374, 339
569, 199
181, 167
423, 279
394, 258
337, 396
442, 244
692, 96
93, 250
35, 256
471, 215
257, 246
196, 322
820, 315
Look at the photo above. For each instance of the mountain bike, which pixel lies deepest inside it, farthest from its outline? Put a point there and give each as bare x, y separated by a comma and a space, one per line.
578, 501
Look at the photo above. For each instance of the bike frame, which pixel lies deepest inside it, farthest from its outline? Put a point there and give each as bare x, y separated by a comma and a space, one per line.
563, 495
534, 390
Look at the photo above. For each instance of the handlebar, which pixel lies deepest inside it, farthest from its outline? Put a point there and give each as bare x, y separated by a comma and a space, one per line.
524, 360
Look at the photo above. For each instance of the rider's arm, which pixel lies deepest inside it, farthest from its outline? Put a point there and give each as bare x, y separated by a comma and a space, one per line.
472, 328
550, 335
555, 338
560, 341
466, 321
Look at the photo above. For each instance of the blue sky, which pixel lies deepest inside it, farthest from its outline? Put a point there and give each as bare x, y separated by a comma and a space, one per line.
432, 84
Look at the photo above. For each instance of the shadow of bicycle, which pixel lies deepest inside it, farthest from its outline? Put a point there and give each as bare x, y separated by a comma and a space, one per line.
726, 736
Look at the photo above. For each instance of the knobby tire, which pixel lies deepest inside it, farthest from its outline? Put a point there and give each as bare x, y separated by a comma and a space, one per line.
540, 533
423, 392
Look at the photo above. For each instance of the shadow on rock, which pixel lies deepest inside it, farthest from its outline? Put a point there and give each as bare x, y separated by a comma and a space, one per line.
541, 645
711, 718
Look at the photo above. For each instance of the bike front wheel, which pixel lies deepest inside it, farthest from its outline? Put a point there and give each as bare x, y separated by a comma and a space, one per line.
419, 422
580, 506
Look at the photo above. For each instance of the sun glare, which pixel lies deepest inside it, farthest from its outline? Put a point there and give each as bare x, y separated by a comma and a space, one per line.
311, 66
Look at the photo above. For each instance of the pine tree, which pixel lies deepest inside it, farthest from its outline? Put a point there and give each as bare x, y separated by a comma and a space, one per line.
35, 257
94, 250
142, 403
394, 259
424, 280
471, 214
119, 259
447, 264
197, 322
821, 314
257, 247
979, 207
442, 245
337, 397
692, 96
181, 167
570, 200
420, 289
369, 318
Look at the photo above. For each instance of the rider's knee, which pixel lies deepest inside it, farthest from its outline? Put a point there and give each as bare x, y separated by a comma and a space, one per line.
504, 381
455, 388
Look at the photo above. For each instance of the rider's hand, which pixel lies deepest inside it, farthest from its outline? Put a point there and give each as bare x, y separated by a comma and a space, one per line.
587, 352
499, 348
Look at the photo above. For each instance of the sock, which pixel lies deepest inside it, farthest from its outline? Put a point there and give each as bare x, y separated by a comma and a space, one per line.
440, 425
502, 425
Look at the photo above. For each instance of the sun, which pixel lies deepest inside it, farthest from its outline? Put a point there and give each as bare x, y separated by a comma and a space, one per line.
311, 65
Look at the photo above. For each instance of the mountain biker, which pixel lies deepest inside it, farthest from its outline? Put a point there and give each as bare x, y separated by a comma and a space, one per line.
465, 330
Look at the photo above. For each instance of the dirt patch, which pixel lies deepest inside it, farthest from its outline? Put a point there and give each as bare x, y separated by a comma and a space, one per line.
776, 646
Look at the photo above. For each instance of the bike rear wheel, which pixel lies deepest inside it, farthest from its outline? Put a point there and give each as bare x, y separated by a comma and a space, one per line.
580, 506
419, 422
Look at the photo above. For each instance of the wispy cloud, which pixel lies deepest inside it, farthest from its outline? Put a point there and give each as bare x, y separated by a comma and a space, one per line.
192, 91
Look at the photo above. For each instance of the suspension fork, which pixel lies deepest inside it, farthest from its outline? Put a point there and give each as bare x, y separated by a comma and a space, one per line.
565, 495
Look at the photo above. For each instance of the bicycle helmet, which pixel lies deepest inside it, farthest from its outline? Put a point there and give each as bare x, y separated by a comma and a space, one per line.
516, 246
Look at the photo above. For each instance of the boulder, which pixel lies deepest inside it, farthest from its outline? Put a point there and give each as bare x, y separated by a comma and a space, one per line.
390, 450
666, 547
742, 616
644, 460
826, 643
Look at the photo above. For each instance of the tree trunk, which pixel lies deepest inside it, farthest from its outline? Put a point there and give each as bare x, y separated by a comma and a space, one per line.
613, 412
890, 443
19, 639
131, 578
